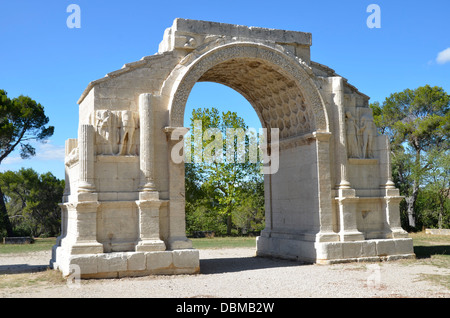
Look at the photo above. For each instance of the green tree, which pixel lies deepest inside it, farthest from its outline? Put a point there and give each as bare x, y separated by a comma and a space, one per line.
249, 216
438, 184
32, 201
21, 120
216, 175
416, 121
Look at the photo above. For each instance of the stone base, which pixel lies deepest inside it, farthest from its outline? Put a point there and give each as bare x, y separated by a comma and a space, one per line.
335, 252
125, 264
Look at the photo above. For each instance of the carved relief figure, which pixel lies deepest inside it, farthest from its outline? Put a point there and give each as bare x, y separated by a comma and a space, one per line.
104, 123
116, 132
360, 137
367, 134
127, 133
352, 137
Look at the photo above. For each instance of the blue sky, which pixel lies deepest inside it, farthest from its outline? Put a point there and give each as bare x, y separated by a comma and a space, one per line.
42, 58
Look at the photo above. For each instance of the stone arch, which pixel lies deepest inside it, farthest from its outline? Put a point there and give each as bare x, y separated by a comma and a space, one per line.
278, 86
282, 91
308, 216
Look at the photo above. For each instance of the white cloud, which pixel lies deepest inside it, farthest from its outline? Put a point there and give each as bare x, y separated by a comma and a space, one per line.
11, 160
444, 56
49, 151
45, 152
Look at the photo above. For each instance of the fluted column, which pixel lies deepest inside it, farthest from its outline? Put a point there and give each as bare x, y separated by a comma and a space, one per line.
341, 149
146, 118
86, 159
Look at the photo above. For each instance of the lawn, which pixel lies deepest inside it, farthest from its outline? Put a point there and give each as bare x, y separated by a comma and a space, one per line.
40, 244
426, 246
223, 242
433, 250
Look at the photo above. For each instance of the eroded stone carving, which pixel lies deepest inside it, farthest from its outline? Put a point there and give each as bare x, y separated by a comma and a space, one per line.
360, 136
129, 125
352, 137
72, 157
367, 133
116, 132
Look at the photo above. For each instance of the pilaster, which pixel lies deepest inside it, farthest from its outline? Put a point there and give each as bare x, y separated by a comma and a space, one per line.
81, 236
177, 227
149, 236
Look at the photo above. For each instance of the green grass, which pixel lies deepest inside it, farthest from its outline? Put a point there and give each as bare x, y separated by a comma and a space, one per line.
429, 246
43, 244
433, 250
223, 242
40, 244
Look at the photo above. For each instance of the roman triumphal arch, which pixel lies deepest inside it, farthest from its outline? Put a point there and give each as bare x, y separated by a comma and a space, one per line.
329, 199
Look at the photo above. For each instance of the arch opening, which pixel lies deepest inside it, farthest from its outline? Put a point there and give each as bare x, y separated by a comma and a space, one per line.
279, 101
224, 198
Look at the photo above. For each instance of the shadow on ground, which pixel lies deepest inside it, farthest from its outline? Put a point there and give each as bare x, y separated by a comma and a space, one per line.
427, 251
21, 268
238, 264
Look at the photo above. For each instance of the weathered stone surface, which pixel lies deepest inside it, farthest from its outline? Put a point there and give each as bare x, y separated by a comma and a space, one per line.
328, 191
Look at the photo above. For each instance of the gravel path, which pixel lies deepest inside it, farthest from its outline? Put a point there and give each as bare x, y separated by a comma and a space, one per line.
237, 273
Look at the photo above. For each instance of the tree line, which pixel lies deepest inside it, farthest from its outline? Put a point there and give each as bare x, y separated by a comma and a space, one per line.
417, 122
32, 201
228, 197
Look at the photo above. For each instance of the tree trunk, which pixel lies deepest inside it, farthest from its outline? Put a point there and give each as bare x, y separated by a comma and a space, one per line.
411, 200
441, 210
411, 205
4, 216
229, 224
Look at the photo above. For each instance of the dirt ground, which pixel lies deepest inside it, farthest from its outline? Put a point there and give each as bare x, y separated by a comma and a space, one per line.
234, 273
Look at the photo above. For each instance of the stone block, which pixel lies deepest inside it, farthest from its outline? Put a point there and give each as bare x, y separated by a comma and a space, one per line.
385, 247
352, 249
157, 260
404, 246
186, 258
136, 261
369, 248
88, 264
112, 262
329, 250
